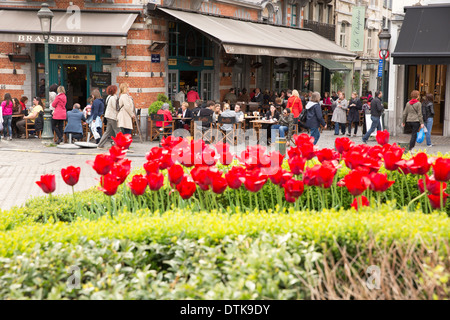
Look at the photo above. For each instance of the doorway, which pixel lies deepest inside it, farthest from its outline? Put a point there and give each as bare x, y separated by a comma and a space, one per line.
75, 76
189, 79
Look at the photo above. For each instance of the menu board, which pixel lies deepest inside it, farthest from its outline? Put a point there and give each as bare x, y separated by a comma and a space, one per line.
101, 79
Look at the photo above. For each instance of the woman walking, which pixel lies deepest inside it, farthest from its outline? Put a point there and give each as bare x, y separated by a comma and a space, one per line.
59, 114
314, 117
112, 129
340, 114
126, 113
412, 116
295, 104
428, 116
7, 111
355, 106
98, 108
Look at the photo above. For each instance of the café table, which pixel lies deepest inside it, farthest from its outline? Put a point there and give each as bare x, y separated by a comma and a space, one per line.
15, 119
257, 126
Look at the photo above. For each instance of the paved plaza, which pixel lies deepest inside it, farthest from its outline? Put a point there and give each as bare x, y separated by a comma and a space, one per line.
22, 162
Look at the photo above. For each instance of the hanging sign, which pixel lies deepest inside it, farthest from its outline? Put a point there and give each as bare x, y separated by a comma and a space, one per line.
84, 57
357, 38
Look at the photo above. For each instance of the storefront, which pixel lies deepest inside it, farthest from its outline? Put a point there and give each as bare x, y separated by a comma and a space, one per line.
423, 55
215, 54
83, 53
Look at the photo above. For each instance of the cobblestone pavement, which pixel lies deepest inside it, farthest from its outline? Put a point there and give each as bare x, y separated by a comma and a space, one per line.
22, 162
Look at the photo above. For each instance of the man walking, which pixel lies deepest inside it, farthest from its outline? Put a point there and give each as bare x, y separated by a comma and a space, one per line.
376, 110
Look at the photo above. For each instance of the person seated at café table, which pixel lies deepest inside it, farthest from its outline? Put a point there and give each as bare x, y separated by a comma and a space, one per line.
239, 114
38, 107
167, 116
74, 123
207, 111
230, 97
259, 98
197, 107
285, 125
227, 113
271, 115
244, 97
183, 113
217, 112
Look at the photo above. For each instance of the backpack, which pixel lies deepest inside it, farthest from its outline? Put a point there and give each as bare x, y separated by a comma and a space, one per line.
303, 115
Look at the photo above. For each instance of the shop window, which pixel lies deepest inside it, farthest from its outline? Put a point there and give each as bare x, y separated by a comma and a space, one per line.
74, 49
281, 81
369, 41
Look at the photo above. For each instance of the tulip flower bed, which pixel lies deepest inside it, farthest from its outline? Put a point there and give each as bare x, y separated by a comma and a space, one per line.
197, 222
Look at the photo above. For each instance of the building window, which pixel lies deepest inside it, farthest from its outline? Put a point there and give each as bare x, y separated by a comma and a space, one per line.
306, 12
294, 15
310, 11
343, 35
317, 12
185, 41
369, 41
330, 15
281, 81
373, 3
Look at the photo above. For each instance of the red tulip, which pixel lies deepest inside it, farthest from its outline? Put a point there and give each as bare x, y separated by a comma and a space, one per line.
109, 184
441, 170
151, 166
254, 180
276, 159
186, 187
289, 197
47, 183
297, 165
279, 176
155, 180
392, 157
166, 160
102, 164
379, 182
343, 145
356, 182
420, 164
171, 142
123, 140
117, 153
204, 176
121, 172
383, 137
364, 200
235, 177
155, 153
327, 155
435, 200
138, 185
294, 189
71, 175
358, 158
320, 175
176, 174
433, 186
219, 185
376, 153
222, 147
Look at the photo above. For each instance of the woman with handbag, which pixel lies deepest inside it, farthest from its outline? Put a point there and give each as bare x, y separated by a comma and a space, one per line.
295, 104
112, 129
126, 114
412, 116
428, 116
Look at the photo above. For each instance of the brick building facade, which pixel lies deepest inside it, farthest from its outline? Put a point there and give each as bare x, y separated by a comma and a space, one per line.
148, 52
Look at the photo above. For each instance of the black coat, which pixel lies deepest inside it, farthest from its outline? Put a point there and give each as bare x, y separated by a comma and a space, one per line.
314, 117
187, 115
276, 115
427, 110
376, 107
353, 113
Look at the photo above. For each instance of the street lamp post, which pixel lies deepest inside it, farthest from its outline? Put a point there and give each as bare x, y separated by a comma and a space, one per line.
385, 38
45, 16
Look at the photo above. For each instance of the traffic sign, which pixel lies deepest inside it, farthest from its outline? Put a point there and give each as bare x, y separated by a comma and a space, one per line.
380, 68
381, 56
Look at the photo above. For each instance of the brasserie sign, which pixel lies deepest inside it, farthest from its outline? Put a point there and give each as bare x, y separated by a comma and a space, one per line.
52, 39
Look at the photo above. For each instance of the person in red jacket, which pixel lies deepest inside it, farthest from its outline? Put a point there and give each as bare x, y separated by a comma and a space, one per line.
192, 95
167, 116
295, 104
59, 114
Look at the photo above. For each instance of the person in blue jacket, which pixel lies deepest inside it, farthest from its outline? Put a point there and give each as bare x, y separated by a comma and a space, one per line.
74, 123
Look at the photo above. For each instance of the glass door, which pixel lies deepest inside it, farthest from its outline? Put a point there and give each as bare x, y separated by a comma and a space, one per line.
206, 85
173, 84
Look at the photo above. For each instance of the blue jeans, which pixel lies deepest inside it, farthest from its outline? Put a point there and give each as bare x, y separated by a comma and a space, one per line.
336, 128
376, 125
126, 131
315, 133
7, 120
281, 129
429, 126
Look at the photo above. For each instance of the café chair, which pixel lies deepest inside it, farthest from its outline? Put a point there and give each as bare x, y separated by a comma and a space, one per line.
153, 130
204, 133
229, 135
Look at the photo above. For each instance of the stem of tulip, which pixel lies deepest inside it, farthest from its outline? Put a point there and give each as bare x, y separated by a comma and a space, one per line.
74, 204
360, 202
426, 192
379, 199
442, 196
415, 199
